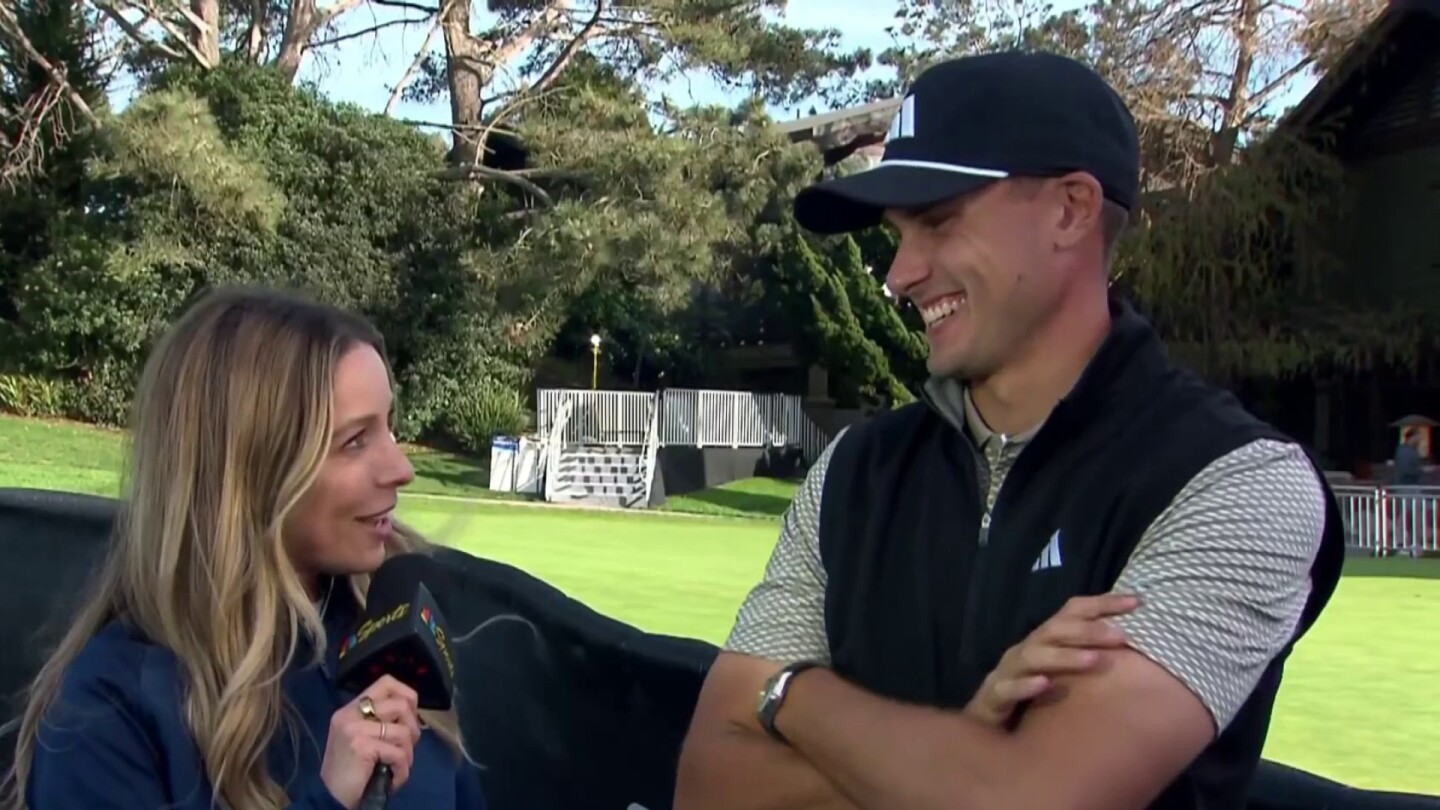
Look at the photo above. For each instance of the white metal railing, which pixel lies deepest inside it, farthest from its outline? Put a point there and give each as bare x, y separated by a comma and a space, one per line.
687, 417
652, 450
597, 417
1391, 520
554, 444
706, 418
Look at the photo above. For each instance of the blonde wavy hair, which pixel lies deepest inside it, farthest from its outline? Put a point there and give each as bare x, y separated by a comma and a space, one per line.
231, 424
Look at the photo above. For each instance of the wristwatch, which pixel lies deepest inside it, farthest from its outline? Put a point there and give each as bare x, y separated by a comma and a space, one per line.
773, 696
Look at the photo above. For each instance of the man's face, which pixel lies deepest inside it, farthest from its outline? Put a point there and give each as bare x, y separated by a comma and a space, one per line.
981, 271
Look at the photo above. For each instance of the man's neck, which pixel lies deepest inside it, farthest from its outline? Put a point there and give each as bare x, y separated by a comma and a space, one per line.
1021, 395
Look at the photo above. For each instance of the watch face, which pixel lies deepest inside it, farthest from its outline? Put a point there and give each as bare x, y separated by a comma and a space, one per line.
767, 692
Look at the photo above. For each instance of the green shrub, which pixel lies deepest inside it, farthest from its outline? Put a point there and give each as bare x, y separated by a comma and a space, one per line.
31, 395
483, 411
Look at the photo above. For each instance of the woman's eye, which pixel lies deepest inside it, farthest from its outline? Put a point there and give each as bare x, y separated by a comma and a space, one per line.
355, 442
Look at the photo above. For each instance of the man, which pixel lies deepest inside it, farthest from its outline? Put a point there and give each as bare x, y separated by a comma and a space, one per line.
1057, 454
1409, 474
1409, 465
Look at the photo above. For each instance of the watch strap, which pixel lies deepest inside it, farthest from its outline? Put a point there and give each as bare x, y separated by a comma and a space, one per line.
776, 689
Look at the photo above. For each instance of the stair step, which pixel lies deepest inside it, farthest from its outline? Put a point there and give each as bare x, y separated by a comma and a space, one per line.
573, 488
586, 477
602, 461
616, 502
601, 465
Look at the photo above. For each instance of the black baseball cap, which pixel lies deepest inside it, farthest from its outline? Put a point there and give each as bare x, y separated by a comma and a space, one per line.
969, 122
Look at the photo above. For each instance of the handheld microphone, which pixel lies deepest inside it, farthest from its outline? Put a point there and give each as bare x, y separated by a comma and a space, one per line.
403, 635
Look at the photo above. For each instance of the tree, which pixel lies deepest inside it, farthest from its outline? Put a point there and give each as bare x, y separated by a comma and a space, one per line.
878, 317
50, 85
491, 74
203, 33
830, 331
1230, 250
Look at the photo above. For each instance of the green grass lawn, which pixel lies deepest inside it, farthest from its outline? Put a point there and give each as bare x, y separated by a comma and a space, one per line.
1361, 700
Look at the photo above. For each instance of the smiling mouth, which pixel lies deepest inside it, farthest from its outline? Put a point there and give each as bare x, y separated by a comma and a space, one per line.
935, 312
378, 520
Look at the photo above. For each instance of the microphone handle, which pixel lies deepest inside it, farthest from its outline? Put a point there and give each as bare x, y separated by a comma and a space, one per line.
377, 790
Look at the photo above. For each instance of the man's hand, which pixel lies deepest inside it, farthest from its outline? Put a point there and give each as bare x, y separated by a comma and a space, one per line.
729, 761
1069, 643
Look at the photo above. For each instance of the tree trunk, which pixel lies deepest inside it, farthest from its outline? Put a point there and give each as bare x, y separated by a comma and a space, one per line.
207, 35
302, 23
1247, 42
467, 74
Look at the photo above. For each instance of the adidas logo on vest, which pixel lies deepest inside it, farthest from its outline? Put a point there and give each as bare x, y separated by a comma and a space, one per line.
1050, 555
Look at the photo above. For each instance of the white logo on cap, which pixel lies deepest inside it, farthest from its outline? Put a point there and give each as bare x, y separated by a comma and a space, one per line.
903, 126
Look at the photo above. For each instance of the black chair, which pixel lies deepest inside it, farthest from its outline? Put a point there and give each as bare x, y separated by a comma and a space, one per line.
564, 707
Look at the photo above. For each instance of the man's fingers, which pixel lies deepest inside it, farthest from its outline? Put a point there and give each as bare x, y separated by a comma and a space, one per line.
1071, 632
1099, 606
1012, 691
1042, 659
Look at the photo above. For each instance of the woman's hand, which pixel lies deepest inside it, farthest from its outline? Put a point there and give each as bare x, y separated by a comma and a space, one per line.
358, 743
1068, 643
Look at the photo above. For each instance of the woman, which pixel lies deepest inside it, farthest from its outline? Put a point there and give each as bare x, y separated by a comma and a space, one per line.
260, 496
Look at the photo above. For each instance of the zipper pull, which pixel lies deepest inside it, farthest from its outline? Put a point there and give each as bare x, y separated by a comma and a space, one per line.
985, 529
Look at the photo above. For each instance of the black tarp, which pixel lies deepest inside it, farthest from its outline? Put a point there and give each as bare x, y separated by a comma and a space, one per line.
565, 709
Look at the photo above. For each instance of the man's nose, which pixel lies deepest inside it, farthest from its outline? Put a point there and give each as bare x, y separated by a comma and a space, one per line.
909, 269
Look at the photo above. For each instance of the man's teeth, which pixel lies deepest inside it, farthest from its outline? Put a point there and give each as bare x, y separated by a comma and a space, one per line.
934, 313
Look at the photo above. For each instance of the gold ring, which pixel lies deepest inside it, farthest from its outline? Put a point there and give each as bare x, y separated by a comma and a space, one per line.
367, 708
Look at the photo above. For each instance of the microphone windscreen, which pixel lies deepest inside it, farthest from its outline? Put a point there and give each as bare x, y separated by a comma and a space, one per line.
397, 580
402, 633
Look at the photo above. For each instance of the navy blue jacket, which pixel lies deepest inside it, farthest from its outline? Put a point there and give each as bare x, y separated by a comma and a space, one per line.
116, 738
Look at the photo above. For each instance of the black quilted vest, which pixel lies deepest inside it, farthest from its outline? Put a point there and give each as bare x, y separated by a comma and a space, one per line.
917, 609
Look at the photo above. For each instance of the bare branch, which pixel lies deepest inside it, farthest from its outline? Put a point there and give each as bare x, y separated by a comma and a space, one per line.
10, 27
22, 157
473, 171
1259, 97
589, 31
134, 32
365, 32
40, 112
413, 70
411, 6
116, 11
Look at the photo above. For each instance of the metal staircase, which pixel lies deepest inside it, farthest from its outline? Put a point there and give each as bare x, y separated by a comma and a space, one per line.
600, 475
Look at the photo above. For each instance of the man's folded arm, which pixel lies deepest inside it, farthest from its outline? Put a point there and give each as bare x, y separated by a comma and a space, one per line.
1223, 576
728, 761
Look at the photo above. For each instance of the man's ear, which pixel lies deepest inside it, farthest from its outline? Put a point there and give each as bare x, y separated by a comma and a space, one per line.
1080, 210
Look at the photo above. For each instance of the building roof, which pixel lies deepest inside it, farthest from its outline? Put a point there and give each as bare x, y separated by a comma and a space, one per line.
838, 133
1395, 45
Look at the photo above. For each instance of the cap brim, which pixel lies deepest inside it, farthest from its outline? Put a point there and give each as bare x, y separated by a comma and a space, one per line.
858, 201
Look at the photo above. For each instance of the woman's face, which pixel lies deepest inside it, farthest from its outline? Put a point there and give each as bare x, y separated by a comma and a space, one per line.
342, 523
